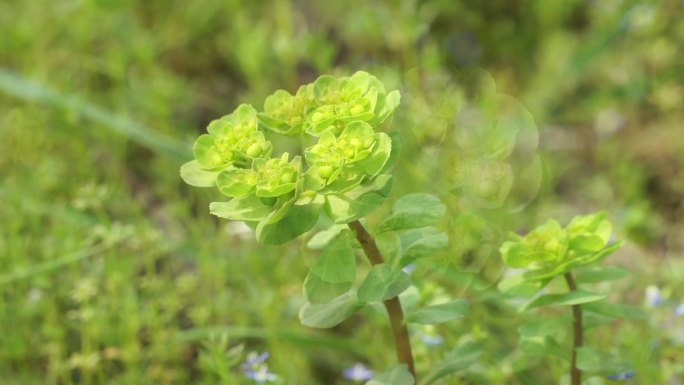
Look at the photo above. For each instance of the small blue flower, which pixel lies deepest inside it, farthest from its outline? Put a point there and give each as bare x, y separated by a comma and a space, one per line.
254, 360
261, 375
653, 296
431, 339
255, 367
358, 372
621, 376
679, 310
410, 268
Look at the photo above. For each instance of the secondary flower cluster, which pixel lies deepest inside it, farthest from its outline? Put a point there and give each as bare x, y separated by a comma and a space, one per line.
335, 120
551, 250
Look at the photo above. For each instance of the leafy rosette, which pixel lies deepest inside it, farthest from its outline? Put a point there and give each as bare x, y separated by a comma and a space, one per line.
360, 97
551, 250
341, 163
285, 113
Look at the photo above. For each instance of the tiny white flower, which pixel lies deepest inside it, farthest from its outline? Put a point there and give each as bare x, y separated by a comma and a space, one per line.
679, 310
240, 230
653, 296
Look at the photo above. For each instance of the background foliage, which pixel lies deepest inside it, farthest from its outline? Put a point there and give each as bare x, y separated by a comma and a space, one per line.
112, 271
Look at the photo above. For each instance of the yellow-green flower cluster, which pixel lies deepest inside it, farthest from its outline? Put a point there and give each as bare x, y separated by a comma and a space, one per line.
328, 104
339, 163
285, 113
336, 118
267, 178
551, 250
233, 141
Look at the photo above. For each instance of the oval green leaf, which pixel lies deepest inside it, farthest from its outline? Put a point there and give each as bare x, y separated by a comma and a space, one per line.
331, 314
194, 175
383, 282
413, 211
435, 314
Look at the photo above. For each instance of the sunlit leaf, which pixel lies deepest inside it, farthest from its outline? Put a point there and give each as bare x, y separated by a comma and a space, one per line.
330, 314
194, 175
324, 237
248, 209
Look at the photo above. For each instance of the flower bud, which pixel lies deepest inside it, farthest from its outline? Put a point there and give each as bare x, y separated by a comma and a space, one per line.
357, 110
317, 117
254, 150
325, 171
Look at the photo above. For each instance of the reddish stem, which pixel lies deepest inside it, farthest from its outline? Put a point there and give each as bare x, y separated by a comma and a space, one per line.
396, 314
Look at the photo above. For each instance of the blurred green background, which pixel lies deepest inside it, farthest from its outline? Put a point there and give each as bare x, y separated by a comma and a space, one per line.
112, 271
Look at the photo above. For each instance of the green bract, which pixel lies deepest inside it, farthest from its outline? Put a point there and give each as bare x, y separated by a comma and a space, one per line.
267, 178
285, 113
282, 198
361, 97
276, 177
233, 140
342, 162
551, 250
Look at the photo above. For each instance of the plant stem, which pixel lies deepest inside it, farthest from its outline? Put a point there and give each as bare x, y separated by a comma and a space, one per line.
393, 306
578, 333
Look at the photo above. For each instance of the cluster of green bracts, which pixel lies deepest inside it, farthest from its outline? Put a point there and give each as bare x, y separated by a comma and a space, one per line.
551, 250
281, 196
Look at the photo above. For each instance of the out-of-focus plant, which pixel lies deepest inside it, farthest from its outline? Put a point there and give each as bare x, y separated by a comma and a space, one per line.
572, 252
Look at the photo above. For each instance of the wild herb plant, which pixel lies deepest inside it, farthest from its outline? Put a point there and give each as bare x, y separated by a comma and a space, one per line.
343, 175
573, 252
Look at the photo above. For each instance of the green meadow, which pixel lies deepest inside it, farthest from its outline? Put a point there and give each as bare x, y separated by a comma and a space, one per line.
113, 271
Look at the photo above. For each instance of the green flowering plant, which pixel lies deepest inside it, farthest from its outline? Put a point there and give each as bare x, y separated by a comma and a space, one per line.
573, 252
